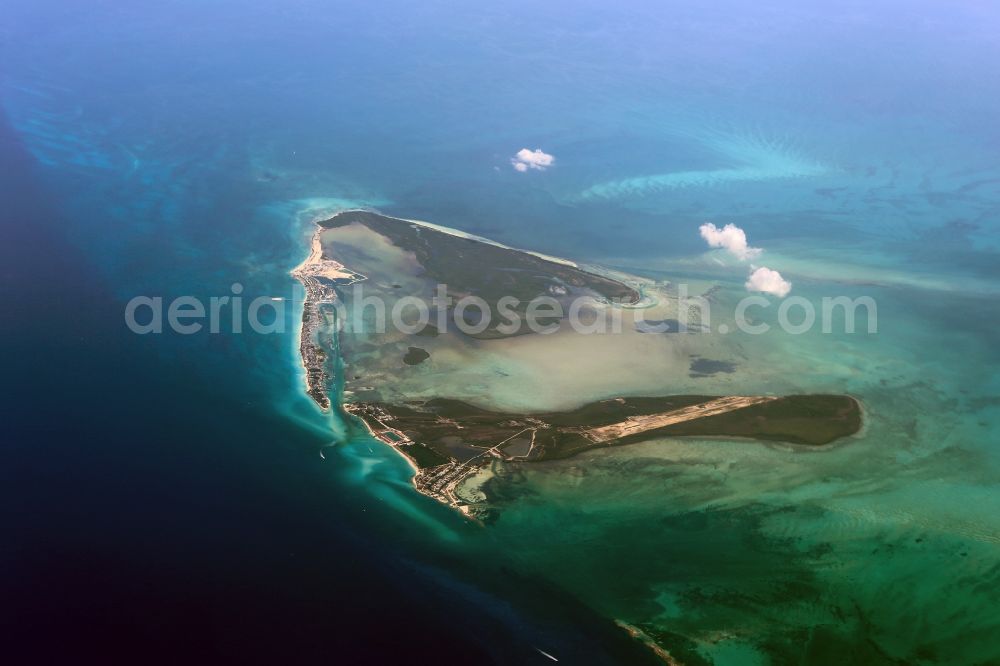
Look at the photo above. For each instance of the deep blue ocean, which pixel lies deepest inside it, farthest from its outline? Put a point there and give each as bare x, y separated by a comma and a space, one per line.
165, 496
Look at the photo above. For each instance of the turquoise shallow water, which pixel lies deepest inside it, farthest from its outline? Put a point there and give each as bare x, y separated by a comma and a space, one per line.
889, 538
855, 145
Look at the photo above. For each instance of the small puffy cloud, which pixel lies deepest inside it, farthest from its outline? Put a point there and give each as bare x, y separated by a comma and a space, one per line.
531, 159
734, 240
768, 281
729, 237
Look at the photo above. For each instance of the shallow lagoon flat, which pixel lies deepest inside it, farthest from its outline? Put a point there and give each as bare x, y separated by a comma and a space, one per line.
769, 493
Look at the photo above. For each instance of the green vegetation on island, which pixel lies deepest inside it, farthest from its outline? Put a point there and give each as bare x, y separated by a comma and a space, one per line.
472, 266
448, 440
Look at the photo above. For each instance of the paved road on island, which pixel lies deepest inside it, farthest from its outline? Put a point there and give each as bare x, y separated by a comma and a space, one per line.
634, 425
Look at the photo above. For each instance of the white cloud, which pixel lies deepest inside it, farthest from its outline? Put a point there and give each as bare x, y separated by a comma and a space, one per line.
730, 237
768, 281
531, 159
734, 240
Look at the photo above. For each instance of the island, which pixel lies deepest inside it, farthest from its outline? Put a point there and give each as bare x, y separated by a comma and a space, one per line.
414, 390
449, 440
320, 275
468, 265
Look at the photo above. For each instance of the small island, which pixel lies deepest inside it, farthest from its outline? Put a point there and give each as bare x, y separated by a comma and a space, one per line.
319, 275
449, 440
468, 265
